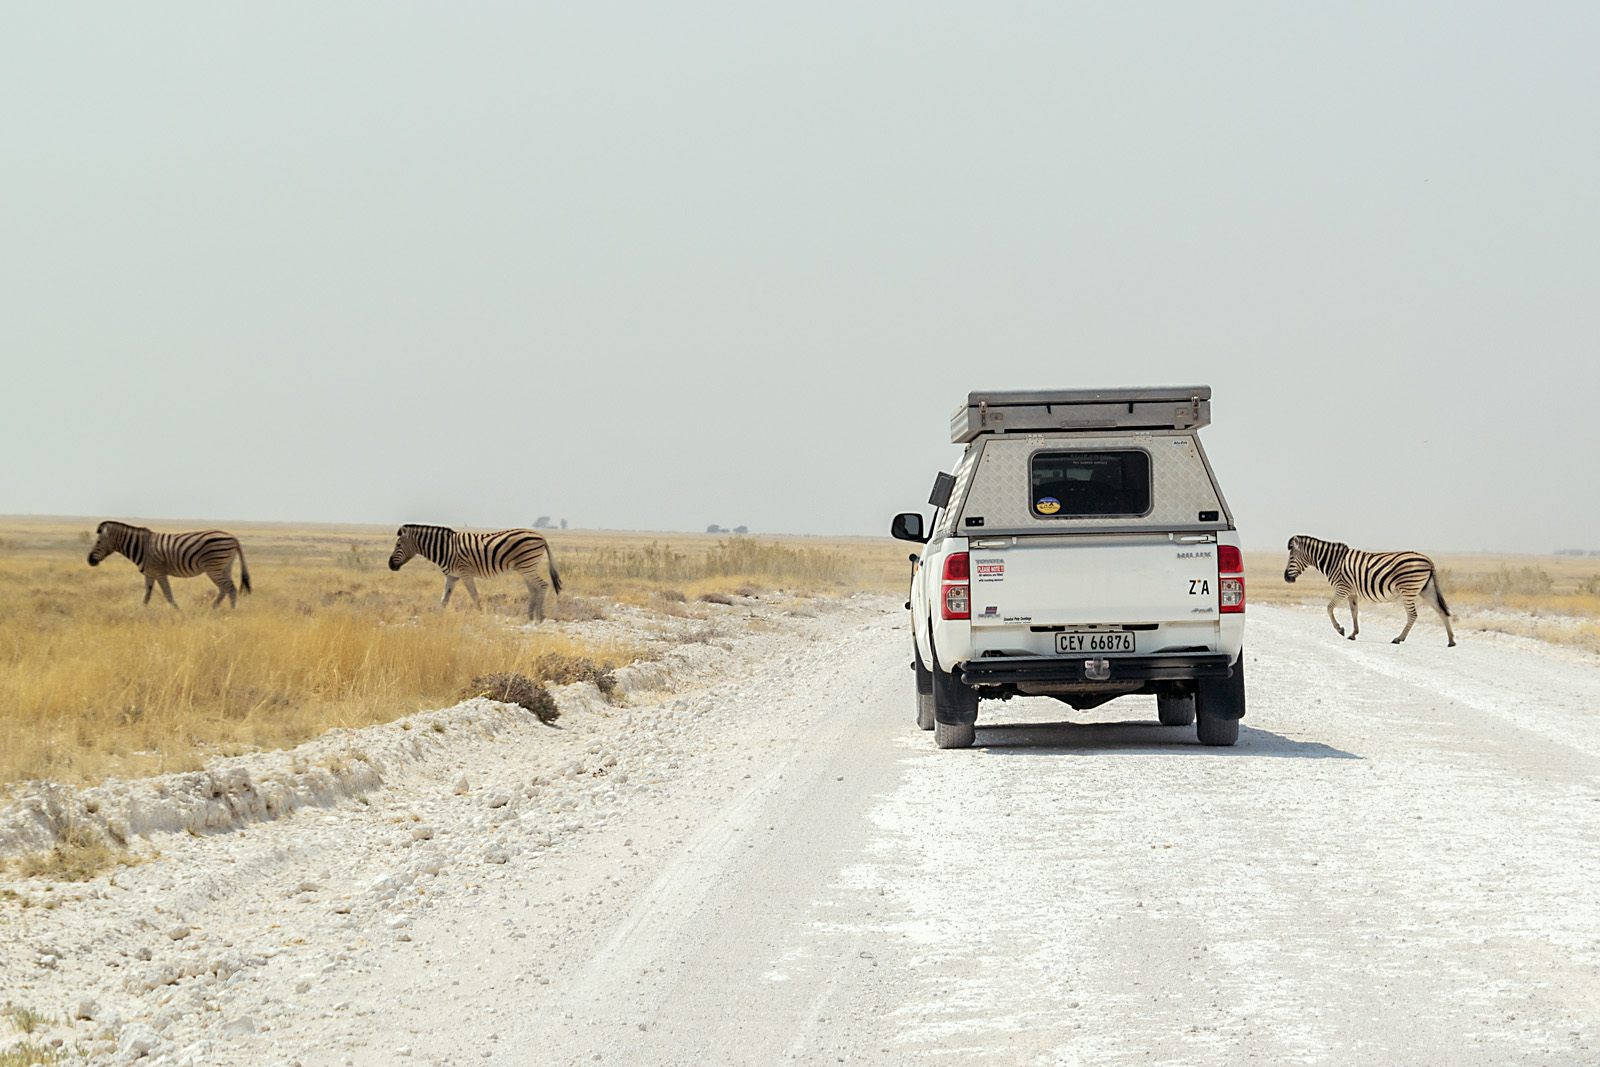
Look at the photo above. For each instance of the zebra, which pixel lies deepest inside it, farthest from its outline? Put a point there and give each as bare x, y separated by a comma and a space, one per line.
1375, 576
180, 555
465, 556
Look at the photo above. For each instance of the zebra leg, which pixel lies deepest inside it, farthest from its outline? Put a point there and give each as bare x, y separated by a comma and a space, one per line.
1334, 617
1355, 621
472, 587
166, 590
1411, 618
149, 587
1436, 599
449, 587
536, 588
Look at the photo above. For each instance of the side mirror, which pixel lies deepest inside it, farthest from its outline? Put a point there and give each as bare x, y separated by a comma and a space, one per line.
907, 526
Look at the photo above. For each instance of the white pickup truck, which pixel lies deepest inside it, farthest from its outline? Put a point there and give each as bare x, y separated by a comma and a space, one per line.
1082, 550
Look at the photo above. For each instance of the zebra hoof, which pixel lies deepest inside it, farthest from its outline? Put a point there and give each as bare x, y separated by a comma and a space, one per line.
1396, 641
1452, 644
1350, 637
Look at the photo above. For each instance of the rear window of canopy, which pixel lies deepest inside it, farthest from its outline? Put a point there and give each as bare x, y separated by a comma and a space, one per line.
1075, 485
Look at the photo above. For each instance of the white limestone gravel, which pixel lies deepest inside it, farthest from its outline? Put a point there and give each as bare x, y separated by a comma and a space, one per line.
759, 859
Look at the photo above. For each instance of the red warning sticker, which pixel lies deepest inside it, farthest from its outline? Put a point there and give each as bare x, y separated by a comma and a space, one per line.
989, 570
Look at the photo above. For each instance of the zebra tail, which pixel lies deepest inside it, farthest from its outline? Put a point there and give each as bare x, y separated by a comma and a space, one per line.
244, 572
1438, 593
550, 561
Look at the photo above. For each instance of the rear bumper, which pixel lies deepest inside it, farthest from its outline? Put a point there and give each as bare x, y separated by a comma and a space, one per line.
1044, 670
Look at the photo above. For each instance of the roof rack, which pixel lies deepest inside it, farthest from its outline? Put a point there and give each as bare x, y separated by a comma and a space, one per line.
1057, 410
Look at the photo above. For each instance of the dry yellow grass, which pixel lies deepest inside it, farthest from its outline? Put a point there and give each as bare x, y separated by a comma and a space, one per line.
1553, 598
93, 684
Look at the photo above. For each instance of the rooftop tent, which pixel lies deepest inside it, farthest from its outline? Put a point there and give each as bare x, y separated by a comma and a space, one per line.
1057, 410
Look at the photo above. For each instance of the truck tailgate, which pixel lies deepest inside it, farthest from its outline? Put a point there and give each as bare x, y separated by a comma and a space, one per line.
1054, 581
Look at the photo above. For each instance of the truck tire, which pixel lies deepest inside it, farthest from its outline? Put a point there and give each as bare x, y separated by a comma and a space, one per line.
954, 735
1218, 732
1219, 705
1175, 709
955, 705
924, 688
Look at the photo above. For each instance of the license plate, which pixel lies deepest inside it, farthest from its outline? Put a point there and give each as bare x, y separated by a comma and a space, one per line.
1095, 641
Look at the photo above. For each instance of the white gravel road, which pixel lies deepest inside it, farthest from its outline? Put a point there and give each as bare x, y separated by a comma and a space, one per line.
771, 864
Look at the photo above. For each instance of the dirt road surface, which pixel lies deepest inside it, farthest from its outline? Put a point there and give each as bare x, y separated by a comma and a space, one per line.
1396, 865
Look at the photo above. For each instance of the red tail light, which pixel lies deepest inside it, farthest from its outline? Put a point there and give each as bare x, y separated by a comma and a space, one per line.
1230, 591
956, 602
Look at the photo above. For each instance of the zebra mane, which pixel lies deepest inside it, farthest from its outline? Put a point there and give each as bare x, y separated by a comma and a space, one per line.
419, 527
117, 525
1317, 542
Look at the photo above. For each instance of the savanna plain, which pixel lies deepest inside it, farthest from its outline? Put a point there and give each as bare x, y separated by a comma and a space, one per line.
323, 828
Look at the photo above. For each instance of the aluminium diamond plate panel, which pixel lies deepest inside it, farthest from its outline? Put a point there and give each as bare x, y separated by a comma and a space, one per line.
999, 494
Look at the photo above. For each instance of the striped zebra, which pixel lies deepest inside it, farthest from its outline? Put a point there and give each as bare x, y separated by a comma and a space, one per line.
1376, 576
181, 555
465, 556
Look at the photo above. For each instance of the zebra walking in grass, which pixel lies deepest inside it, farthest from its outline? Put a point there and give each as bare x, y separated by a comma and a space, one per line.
160, 556
465, 556
1375, 576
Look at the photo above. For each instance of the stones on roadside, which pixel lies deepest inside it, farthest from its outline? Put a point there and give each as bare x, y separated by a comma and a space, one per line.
496, 799
138, 1040
178, 931
461, 787
422, 832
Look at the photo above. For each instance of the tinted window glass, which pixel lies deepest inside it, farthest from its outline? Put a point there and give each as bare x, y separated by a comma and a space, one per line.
1073, 485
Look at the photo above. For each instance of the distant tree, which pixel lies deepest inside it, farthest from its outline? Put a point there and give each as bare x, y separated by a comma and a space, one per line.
541, 522
741, 529
714, 528
563, 524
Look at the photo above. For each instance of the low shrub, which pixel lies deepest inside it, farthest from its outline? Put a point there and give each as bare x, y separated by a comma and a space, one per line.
560, 669
514, 688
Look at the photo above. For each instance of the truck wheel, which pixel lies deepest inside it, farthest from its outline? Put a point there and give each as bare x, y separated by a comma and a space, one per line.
1219, 704
924, 689
1175, 709
954, 735
955, 706
1219, 732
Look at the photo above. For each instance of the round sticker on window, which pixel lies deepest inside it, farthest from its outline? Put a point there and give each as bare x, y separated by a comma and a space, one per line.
1047, 505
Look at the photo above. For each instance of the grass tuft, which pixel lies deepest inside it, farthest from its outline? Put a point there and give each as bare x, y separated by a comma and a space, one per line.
34, 1054
80, 853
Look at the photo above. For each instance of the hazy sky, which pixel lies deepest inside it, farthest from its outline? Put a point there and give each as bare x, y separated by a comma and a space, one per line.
653, 266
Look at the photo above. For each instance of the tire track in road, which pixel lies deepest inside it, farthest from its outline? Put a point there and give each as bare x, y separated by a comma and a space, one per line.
694, 972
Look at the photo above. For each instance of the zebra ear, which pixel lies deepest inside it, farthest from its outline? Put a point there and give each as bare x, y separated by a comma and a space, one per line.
100, 529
